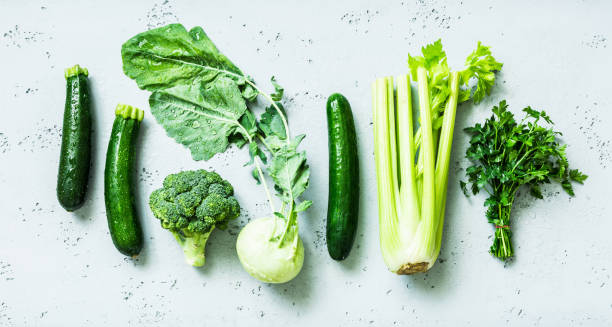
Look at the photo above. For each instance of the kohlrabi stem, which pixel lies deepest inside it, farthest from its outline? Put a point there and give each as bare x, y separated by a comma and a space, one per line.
259, 171
288, 224
264, 183
268, 97
263, 141
288, 140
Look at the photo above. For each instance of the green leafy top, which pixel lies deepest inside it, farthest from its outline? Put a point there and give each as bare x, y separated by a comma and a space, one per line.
480, 65
507, 154
171, 55
434, 60
201, 116
201, 98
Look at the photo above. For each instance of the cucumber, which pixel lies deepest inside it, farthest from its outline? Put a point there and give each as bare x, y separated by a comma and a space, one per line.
75, 153
343, 204
123, 221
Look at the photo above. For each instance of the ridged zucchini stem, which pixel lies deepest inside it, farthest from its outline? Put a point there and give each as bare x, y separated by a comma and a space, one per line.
74, 71
128, 112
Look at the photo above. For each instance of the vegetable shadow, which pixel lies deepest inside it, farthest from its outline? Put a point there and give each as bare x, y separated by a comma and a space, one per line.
220, 249
140, 200
356, 258
436, 280
297, 292
221, 252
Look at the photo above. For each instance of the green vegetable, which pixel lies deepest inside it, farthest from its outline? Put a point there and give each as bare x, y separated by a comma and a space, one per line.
507, 155
412, 167
343, 204
123, 221
263, 259
200, 97
190, 205
75, 153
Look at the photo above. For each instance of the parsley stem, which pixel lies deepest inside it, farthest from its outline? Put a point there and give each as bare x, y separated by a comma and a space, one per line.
266, 145
502, 244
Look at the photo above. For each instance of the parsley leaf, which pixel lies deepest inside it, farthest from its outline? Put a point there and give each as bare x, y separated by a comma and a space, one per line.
506, 155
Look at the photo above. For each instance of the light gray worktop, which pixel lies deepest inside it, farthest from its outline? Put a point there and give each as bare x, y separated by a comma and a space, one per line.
61, 269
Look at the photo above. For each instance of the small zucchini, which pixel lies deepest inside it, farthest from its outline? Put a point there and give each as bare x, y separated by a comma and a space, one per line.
343, 203
123, 221
75, 153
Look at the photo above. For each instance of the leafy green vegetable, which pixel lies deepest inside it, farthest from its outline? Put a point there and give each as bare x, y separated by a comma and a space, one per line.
271, 123
201, 117
170, 55
412, 167
509, 154
201, 98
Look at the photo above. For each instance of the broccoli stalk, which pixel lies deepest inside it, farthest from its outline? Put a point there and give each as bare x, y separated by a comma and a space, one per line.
193, 247
191, 204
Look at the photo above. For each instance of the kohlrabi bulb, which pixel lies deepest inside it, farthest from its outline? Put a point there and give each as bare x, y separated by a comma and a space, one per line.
262, 258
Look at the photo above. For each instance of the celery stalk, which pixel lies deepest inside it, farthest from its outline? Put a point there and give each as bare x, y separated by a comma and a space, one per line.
412, 166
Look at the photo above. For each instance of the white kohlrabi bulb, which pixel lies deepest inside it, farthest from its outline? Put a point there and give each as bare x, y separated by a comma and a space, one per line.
262, 258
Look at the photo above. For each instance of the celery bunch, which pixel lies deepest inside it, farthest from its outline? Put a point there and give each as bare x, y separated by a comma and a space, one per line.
412, 161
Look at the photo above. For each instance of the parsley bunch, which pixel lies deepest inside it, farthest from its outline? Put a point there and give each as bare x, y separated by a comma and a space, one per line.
508, 155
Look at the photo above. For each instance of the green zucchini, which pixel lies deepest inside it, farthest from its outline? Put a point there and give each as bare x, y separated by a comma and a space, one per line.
343, 202
123, 221
75, 153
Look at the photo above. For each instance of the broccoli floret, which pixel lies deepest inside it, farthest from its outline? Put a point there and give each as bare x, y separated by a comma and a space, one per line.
190, 205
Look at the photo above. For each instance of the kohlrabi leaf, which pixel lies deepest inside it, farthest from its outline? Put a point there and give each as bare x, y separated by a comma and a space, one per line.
274, 143
202, 116
255, 151
200, 98
168, 56
303, 206
271, 123
278, 90
249, 123
289, 171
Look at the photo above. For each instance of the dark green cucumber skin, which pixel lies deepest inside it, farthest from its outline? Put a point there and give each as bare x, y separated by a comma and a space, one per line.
123, 221
75, 153
343, 202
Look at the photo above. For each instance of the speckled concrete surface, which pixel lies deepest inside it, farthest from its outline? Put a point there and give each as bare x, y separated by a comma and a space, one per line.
60, 269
